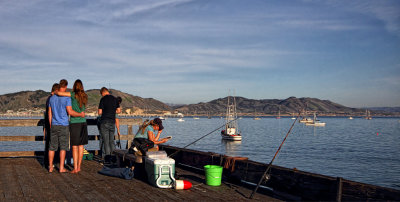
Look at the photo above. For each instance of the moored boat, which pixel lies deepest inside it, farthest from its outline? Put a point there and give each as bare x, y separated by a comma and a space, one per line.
231, 131
279, 115
368, 115
315, 122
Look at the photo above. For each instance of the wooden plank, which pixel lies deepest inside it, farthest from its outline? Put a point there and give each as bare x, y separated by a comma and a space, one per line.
11, 189
91, 186
40, 138
42, 179
361, 191
130, 121
21, 138
28, 185
21, 122
122, 121
40, 122
19, 153
92, 180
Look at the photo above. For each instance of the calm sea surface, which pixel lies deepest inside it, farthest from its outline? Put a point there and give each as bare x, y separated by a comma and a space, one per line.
361, 150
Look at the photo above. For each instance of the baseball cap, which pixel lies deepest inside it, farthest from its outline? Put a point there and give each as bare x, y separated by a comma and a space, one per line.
159, 123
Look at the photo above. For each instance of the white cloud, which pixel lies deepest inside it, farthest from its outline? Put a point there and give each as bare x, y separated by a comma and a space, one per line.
387, 11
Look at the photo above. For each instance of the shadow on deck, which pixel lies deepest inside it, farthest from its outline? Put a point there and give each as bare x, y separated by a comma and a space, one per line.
25, 179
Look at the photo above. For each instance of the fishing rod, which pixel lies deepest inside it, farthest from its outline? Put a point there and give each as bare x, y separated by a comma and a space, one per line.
202, 137
119, 141
270, 163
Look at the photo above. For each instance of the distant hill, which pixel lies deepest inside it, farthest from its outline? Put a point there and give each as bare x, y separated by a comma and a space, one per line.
26, 100
23, 100
385, 109
149, 105
35, 100
270, 106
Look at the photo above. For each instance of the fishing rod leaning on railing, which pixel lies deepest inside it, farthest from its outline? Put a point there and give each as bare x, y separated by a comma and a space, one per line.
270, 163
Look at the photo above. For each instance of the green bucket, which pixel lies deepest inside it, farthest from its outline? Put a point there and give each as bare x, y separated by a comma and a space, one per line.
213, 175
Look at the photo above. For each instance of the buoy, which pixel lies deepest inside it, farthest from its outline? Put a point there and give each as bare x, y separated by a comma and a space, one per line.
182, 184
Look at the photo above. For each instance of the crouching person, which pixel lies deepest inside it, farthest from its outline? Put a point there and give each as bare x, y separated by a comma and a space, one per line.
145, 138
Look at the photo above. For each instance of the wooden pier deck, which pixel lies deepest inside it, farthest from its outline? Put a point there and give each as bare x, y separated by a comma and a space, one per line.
26, 179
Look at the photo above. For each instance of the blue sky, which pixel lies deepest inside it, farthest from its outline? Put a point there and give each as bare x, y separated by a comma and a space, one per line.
183, 51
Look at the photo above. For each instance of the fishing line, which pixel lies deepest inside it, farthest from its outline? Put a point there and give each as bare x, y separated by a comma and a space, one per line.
202, 137
270, 163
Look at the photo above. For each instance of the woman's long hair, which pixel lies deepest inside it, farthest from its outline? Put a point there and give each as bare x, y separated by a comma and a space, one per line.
143, 127
80, 94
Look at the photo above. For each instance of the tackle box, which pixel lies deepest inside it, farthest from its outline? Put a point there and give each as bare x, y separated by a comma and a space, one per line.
160, 170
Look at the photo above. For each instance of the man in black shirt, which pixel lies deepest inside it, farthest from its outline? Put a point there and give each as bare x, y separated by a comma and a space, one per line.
108, 107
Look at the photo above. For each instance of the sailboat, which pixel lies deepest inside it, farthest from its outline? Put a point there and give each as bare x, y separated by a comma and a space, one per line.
255, 116
368, 115
279, 115
231, 131
315, 122
293, 116
180, 117
195, 115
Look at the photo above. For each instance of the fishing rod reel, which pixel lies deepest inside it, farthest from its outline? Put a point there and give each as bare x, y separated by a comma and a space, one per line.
267, 177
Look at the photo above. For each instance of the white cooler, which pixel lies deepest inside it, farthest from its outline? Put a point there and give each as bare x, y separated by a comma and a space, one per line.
160, 170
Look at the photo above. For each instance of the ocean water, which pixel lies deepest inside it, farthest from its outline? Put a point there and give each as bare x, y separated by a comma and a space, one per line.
361, 150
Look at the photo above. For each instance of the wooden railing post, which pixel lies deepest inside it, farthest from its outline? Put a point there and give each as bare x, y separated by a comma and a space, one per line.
130, 133
96, 152
339, 189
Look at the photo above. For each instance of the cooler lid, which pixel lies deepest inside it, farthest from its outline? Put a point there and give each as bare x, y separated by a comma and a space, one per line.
158, 161
156, 154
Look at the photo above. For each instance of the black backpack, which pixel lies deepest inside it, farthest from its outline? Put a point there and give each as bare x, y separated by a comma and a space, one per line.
142, 144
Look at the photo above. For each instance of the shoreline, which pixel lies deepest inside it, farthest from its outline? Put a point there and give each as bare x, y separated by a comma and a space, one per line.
39, 116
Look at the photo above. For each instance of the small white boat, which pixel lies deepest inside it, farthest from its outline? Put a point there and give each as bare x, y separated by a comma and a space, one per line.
231, 127
162, 118
315, 122
350, 117
367, 115
195, 115
180, 120
255, 116
231, 134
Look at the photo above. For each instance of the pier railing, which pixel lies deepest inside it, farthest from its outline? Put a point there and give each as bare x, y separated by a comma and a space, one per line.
285, 183
129, 122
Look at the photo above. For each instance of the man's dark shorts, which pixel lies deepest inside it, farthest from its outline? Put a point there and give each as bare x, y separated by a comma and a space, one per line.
59, 138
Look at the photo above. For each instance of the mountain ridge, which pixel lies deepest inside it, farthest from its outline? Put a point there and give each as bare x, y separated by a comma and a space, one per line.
35, 100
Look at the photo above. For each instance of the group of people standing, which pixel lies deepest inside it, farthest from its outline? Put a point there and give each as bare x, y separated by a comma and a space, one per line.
65, 125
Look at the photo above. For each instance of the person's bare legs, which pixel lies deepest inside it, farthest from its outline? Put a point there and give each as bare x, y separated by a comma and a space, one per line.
51, 158
75, 156
62, 159
80, 157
